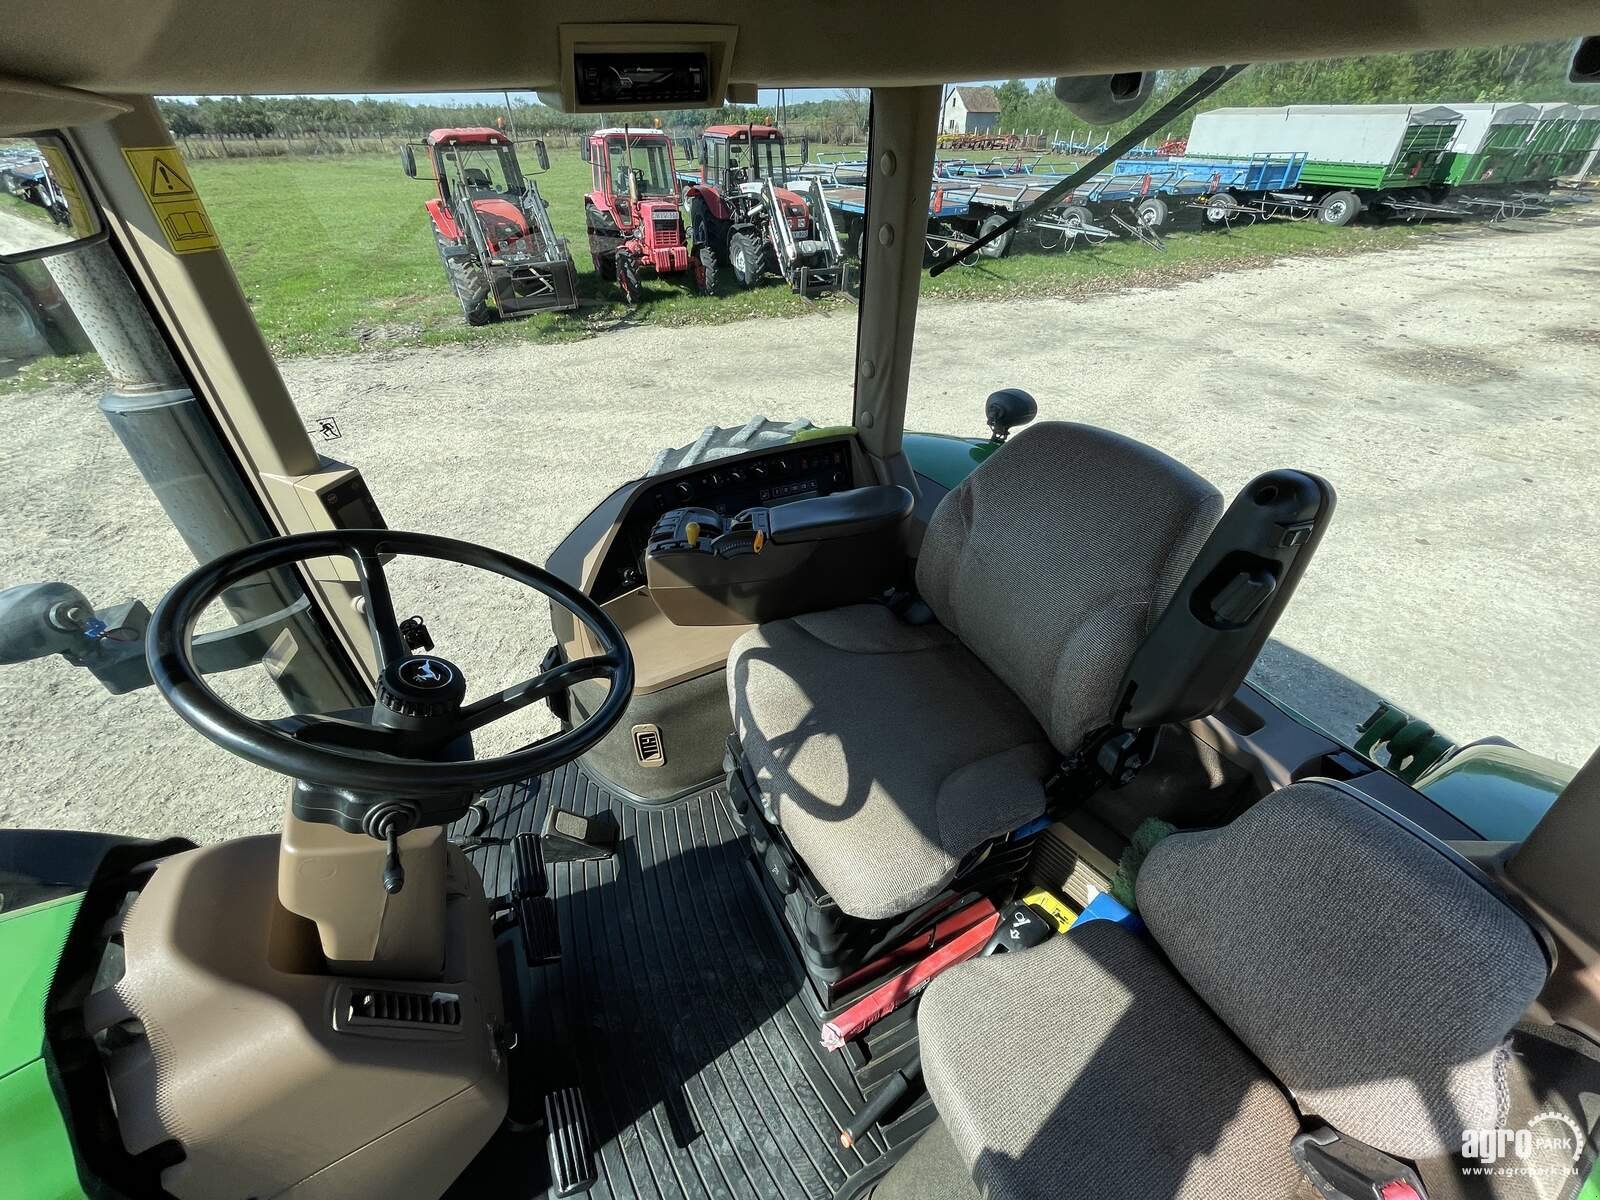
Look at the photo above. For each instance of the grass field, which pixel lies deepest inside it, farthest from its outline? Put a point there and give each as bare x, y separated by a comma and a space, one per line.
335, 255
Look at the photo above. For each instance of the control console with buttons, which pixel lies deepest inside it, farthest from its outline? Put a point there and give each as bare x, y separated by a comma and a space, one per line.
704, 568
725, 489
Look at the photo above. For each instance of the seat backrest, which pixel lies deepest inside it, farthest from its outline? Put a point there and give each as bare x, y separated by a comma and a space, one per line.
1374, 972
1054, 558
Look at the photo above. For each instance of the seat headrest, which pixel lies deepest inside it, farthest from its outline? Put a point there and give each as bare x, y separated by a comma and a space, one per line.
1370, 969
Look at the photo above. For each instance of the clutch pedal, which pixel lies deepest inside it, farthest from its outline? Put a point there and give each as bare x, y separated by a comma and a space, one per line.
569, 1142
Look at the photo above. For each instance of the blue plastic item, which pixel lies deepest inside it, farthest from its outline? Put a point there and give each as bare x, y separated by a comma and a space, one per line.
1106, 907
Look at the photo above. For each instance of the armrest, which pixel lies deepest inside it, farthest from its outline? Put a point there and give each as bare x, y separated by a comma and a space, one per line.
843, 514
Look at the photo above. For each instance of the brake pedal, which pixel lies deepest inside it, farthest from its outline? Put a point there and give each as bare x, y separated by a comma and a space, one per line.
528, 877
536, 911
569, 1142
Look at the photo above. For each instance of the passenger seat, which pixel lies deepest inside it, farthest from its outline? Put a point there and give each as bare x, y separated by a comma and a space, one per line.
1318, 961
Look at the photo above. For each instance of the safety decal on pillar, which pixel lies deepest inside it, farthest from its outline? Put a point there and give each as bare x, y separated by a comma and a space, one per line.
164, 178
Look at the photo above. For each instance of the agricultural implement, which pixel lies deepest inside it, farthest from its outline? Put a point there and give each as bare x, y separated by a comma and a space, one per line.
744, 208
1356, 156
28, 178
500, 252
632, 215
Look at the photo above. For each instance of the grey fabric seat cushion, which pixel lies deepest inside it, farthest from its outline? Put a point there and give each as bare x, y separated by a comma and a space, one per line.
888, 751
1372, 974
1054, 558
1084, 1069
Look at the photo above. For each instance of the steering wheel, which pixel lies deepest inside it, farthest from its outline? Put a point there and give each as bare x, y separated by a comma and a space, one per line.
412, 745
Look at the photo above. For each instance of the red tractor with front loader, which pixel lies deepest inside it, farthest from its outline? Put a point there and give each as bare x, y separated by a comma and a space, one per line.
743, 205
632, 213
492, 227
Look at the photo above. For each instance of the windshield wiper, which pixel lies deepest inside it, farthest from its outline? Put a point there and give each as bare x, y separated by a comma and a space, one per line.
1210, 81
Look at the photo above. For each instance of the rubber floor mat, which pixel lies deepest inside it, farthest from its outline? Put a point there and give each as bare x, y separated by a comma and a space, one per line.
675, 1007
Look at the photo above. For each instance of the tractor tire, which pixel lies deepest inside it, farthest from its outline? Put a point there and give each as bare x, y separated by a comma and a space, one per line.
24, 335
603, 240
470, 283
1078, 215
748, 258
627, 278
1339, 208
704, 268
1001, 245
1152, 212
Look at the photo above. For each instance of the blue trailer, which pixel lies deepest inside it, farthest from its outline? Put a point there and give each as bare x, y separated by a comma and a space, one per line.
1134, 197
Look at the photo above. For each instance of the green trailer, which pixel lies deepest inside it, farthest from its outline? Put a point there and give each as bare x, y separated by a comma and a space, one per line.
1582, 147
1368, 146
1546, 152
1490, 142
1390, 156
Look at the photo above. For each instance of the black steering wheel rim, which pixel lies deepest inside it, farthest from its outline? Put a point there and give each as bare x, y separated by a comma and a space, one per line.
172, 668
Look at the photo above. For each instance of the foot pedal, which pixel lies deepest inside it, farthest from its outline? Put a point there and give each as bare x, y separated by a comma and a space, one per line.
528, 877
536, 911
569, 1143
572, 837
541, 938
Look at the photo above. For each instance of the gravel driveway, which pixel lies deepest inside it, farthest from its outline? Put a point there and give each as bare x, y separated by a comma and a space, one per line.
1448, 392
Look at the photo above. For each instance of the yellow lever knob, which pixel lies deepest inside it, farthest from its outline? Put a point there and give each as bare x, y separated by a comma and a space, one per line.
691, 534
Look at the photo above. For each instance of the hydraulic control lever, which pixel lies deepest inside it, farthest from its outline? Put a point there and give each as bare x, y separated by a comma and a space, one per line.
702, 531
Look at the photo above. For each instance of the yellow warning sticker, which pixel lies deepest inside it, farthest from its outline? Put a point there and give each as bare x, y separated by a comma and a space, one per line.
164, 178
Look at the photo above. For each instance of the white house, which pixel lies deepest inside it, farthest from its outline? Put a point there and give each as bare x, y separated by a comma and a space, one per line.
970, 110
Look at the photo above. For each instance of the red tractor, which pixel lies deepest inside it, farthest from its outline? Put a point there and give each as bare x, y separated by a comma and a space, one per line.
632, 212
742, 205
492, 226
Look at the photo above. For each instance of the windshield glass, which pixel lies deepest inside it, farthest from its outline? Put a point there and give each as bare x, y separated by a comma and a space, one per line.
647, 158
484, 168
1377, 269
493, 372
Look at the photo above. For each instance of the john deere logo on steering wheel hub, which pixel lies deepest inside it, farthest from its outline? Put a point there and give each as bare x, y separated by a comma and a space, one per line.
426, 674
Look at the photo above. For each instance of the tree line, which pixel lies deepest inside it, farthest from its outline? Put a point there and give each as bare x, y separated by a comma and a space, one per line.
1532, 71
840, 120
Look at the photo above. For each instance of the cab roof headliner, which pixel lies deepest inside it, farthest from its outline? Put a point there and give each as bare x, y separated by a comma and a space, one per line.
173, 47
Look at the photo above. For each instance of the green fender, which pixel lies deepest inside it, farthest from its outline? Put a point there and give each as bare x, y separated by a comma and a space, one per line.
36, 1161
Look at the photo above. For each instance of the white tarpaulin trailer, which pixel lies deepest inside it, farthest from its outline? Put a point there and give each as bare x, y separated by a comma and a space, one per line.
1363, 135
1477, 120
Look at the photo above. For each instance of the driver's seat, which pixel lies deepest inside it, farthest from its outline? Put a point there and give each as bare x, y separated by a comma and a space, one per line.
887, 751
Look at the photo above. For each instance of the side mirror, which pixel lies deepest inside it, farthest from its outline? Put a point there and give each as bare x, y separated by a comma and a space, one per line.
687, 146
1007, 409
49, 215
1585, 67
583, 149
543, 155
408, 161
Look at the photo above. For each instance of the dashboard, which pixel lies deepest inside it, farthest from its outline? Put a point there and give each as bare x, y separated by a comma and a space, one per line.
727, 486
